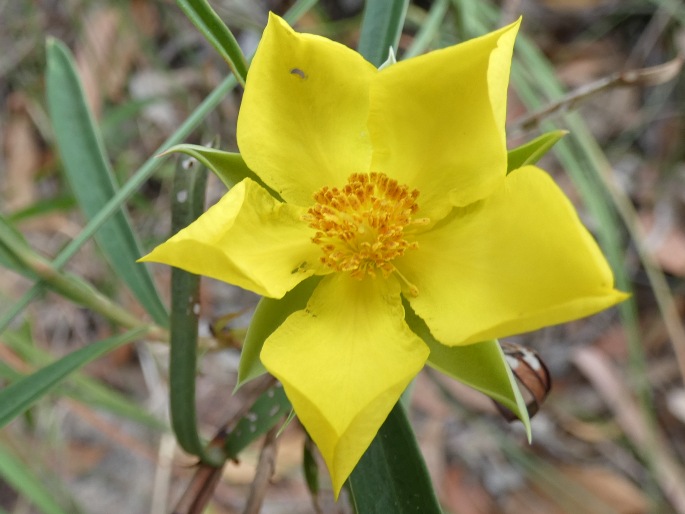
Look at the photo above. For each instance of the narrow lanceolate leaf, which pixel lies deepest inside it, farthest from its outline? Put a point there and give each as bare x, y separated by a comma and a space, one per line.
91, 178
532, 151
217, 33
268, 316
20, 395
187, 204
15, 473
392, 476
481, 366
381, 28
44, 207
78, 386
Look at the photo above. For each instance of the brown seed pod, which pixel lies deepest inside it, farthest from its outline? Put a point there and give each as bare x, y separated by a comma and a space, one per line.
531, 373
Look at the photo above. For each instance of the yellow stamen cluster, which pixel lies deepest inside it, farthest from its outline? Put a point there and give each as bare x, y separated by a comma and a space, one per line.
360, 227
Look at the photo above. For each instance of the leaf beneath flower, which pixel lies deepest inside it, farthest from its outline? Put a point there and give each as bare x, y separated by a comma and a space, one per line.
268, 316
481, 366
532, 151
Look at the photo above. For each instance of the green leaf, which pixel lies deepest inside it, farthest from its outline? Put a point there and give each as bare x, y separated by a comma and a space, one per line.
187, 205
8, 373
532, 151
23, 480
79, 386
429, 29
299, 8
19, 396
11, 243
217, 33
481, 366
228, 166
43, 207
16, 254
392, 476
91, 178
381, 28
268, 316
269, 409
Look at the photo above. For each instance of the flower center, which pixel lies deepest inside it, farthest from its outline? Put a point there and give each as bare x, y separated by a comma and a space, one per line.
361, 227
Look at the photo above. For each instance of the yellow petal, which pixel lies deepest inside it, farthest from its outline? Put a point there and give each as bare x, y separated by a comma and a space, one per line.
302, 122
248, 239
514, 262
344, 361
437, 121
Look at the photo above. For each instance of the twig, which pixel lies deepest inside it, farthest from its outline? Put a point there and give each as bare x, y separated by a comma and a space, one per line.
606, 380
265, 470
162, 476
662, 292
199, 491
206, 477
652, 33
645, 77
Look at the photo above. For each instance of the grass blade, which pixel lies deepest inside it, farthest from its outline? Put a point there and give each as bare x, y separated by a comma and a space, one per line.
217, 33
16, 254
19, 396
12, 241
381, 28
91, 178
79, 386
299, 8
429, 29
22, 479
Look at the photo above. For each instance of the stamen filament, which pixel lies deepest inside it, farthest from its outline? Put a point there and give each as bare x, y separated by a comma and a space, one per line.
361, 226
411, 288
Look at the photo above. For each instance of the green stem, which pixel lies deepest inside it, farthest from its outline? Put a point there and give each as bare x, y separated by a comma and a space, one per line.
187, 204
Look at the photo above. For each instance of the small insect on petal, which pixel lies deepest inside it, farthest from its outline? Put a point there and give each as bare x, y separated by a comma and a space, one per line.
299, 73
531, 373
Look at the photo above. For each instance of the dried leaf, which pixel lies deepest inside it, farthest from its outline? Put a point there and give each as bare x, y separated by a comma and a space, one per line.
22, 155
616, 490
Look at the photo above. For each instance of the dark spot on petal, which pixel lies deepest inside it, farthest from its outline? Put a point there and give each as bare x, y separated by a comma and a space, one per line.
300, 267
299, 73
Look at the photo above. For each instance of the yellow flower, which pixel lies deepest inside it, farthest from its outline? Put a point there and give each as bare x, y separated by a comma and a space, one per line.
394, 185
